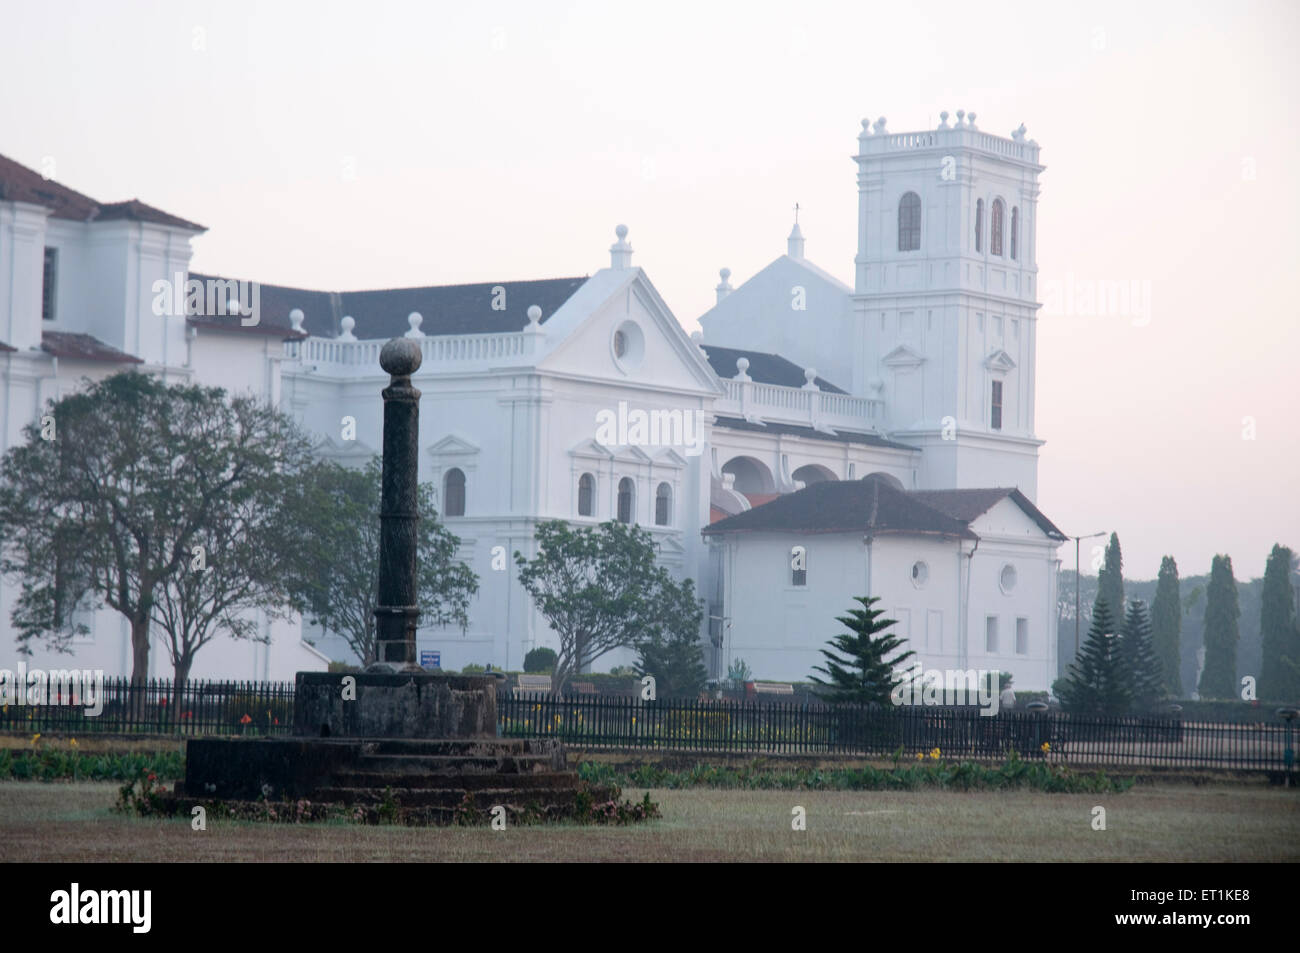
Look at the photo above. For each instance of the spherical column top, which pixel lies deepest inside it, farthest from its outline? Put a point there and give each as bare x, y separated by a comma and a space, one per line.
401, 357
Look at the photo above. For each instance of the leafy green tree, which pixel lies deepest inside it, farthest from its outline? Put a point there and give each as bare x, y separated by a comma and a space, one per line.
1277, 626
539, 660
1145, 672
1098, 682
1219, 677
116, 492
672, 653
334, 573
599, 588
1166, 627
859, 666
1110, 579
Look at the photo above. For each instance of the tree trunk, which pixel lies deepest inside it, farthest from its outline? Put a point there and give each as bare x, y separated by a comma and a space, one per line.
180, 678
139, 665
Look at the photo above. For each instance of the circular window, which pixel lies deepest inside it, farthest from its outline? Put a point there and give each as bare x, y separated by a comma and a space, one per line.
1007, 580
627, 345
920, 574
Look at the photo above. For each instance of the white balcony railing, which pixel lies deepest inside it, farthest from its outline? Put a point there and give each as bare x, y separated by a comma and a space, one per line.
363, 356
798, 405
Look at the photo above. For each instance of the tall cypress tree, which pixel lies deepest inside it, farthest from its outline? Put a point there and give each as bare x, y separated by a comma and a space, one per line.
1166, 627
1110, 580
1098, 681
1145, 672
1277, 627
863, 672
1219, 677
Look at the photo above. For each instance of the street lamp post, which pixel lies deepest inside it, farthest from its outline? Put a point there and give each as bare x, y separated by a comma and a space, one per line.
1077, 575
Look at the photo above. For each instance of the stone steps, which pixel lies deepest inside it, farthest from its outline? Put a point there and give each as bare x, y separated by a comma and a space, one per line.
449, 798
549, 781
442, 765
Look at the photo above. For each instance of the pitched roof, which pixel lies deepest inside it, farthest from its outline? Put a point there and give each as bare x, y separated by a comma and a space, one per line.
794, 430
446, 309
966, 505
763, 368
83, 347
6, 347
869, 505
21, 184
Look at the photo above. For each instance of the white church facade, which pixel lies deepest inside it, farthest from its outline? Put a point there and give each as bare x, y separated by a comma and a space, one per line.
583, 399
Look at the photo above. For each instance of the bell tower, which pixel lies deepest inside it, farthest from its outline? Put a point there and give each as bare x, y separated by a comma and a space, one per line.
945, 298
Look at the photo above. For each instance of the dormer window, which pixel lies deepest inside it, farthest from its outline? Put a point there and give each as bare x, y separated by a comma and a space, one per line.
49, 284
909, 222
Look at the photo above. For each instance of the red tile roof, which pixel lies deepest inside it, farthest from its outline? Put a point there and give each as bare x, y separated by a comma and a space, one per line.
21, 184
83, 347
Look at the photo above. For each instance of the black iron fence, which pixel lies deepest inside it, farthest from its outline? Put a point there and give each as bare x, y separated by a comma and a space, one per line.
603, 721
204, 708
950, 733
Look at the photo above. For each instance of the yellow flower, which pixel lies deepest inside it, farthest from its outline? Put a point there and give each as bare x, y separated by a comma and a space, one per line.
934, 755
1046, 747
919, 756
36, 737
72, 742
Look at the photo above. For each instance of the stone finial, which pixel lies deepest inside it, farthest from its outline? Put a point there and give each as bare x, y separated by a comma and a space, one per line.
296, 318
866, 129
742, 365
879, 127
697, 337
724, 286
415, 319
1018, 133
943, 119
810, 378
961, 116
534, 315
347, 324
620, 253
970, 120
794, 244
401, 357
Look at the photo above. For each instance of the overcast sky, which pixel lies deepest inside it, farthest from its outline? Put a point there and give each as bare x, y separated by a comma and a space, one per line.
358, 145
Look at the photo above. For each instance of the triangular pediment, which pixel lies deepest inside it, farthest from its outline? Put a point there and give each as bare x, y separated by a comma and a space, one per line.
592, 450
452, 445
903, 356
999, 360
668, 457
347, 452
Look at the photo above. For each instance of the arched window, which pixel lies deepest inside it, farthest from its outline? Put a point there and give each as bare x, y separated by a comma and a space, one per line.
587, 495
625, 500
453, 493
663, 505
909, 222
979, 224
1015, 233
995, 223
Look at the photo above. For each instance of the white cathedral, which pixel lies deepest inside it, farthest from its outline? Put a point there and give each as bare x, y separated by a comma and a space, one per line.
814, 443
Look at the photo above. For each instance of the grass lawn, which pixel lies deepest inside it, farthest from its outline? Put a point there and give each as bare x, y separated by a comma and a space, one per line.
72, 822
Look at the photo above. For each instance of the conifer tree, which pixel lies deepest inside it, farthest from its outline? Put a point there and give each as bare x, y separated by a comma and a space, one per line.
1145, 672
858, 665
1277, 628
1166, 627
1097, 683
1219, 677
1110, 580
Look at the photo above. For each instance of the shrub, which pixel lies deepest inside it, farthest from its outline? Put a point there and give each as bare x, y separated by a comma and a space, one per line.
540, 661
473, 669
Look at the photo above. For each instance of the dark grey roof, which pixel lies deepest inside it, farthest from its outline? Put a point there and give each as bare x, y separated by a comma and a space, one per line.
6, 347
966, 505
794, 430
763, 368
446, 309
870, 505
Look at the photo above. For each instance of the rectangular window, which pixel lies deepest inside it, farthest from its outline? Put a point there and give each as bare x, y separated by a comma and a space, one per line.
996, 419
991, 634
48, 283
1022, 636
798, 577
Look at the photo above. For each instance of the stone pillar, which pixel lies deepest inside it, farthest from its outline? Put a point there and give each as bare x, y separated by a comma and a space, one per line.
397, 611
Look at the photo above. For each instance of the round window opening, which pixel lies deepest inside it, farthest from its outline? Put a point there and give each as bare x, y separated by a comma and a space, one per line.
1008, 578
628, 345
920, 573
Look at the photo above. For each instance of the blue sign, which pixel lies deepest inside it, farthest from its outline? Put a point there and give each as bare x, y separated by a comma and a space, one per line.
430, 659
